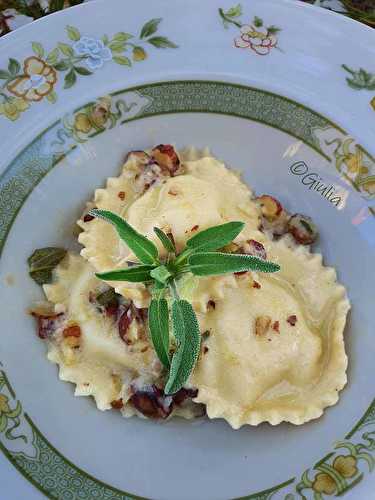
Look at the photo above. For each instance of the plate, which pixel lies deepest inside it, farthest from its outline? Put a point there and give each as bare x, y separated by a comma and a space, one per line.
281, 91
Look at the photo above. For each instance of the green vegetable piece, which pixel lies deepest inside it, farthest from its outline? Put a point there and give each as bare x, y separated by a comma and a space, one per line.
43, 261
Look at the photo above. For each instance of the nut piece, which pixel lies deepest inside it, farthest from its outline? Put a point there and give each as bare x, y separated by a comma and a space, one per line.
117, 404
302, 229
72, 331
139, 157
166, 157
73, 342
271, 208
262, 324
253, 247
292, 320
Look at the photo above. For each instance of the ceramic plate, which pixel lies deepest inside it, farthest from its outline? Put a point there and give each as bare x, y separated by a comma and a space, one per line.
284, 92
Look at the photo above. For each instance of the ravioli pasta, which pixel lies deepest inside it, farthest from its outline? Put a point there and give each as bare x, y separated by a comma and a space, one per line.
272, 345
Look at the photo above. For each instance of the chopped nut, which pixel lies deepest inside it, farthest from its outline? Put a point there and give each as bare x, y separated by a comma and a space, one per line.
121, 195
292, 320
231, 248
72, 331
88, 218
211, 304
166, 157
262, 324
302, 229
194, 228
140, 157
205, 349
206, 334
73, 342
271, 208
117, 404
256, 249
256, 284
276, 326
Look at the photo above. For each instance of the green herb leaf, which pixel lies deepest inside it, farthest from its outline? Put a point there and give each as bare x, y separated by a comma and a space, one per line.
161, 274
150, 28
105, 39
187, 335
167, 243
213, 263
73, 33
38, 49
124, 61
66, 49
70, 79
13, 66
161, 42
43, 261
136, 274
142, 247
4, 75
81, 70
158, 322
215, 237
122, 37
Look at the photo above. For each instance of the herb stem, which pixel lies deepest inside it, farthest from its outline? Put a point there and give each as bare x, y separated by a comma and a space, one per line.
173, 288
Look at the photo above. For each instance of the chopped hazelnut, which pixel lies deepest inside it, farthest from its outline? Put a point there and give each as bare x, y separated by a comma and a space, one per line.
292, 320
262, 324
72, 331
117, 404
121, 195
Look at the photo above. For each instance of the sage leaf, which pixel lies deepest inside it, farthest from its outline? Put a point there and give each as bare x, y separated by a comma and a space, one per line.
214, 263
142, 247
158, 322
43, 261
212, 238
150, 27
135, 274
161, 274
167, 243
187, 335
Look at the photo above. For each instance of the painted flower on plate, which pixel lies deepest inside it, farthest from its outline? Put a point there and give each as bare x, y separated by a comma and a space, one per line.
4, 405
94, 51
37, 81
258, 39
13, 107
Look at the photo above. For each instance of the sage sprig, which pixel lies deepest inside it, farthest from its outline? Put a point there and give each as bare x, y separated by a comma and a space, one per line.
177, 350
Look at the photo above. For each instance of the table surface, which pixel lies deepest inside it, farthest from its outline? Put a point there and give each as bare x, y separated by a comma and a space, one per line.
16, 13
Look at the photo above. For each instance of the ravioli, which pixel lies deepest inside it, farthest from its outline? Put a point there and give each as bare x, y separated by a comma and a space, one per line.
272, 345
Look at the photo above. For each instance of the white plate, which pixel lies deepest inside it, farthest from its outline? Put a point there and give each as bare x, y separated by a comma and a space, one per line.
277, 104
